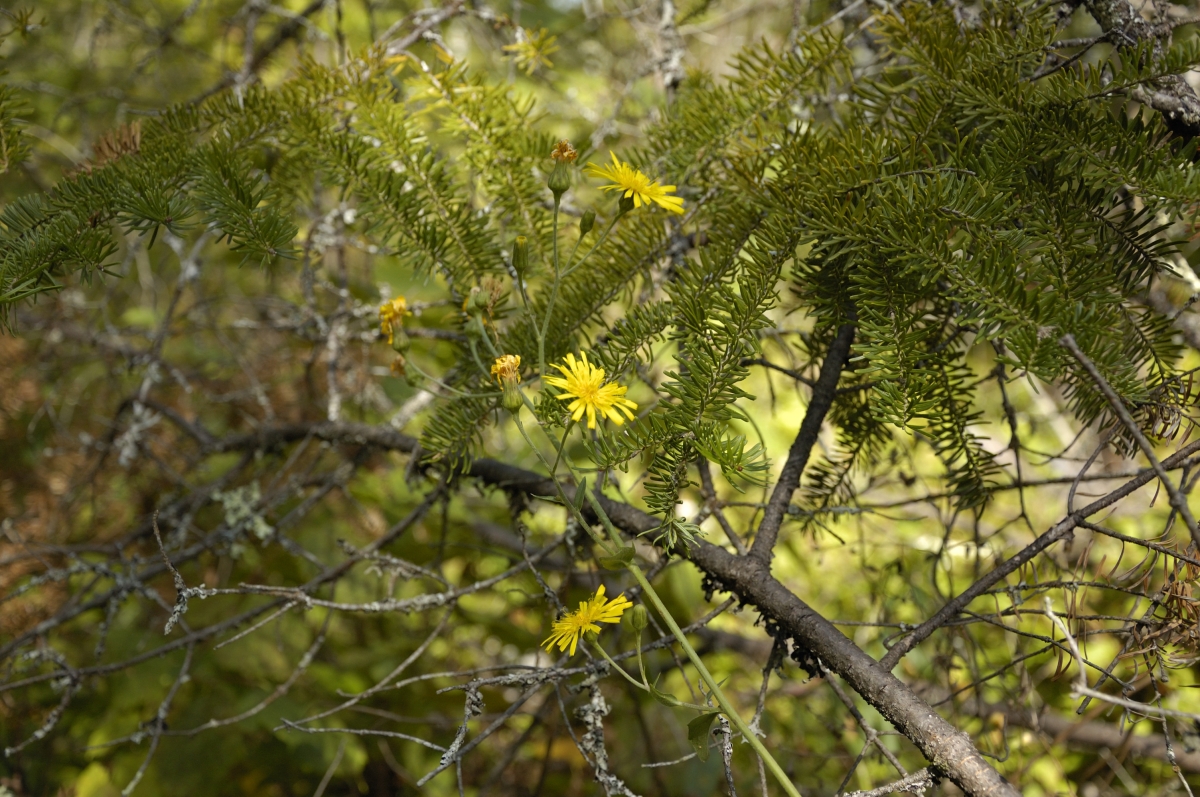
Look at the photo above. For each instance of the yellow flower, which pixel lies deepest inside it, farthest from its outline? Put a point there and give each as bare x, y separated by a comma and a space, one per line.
507, 371
531, 49
507, 368
632, 183
584, 382
567, 630
391, 314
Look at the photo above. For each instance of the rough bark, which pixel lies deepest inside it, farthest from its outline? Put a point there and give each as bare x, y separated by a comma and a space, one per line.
1170, 95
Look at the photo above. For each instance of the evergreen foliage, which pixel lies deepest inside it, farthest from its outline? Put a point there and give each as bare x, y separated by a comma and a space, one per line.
953, 197
960, 203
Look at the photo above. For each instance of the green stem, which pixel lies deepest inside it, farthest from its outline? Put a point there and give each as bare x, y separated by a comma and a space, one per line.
488, 340
618, 667
553, 296
562, 446
648, 590
475, 356
595, 246
644, 685
641, 663
726, 707
444, 386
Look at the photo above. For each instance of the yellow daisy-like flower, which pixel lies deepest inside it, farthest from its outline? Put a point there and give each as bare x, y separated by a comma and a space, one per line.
567, 630
584, 382
390, 314
632, 183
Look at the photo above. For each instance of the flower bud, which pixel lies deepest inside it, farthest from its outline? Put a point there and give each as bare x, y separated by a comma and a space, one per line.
477, 301
586, 222
639, 618
560, 179
520, 256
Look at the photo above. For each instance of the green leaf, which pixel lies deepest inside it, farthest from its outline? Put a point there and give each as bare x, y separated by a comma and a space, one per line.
618, 561
580, 495
663, 697
698, 730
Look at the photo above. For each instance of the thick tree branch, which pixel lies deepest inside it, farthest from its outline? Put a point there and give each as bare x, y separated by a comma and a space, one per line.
823, 394
950, 750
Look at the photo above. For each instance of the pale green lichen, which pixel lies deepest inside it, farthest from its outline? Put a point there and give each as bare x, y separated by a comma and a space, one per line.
241, 510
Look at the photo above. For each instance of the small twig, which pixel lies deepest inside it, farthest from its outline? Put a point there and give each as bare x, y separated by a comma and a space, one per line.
1178, 502
337, 759
916, 783
1080, 687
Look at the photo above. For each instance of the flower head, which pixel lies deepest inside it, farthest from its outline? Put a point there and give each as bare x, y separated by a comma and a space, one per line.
567, 630
391, 314
507, 371
636, 186
584, 383
563, 151
507, 368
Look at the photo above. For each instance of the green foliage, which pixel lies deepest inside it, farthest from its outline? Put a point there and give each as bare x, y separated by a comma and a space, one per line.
13, 147
959, 205
948, 200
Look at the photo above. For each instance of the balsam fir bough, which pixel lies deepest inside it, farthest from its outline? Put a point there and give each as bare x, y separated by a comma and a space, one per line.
931, 222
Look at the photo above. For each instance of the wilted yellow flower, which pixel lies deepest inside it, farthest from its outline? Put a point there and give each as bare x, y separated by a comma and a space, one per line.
531, 49
567, 630
633, 184
584, 382
507, 368
563, 151
391, 314
507, 371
